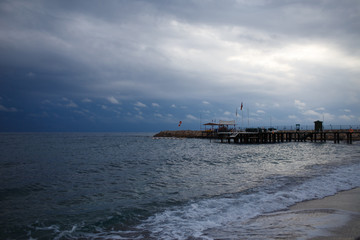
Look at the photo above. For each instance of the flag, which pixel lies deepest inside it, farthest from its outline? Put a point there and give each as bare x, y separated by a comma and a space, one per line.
241, 106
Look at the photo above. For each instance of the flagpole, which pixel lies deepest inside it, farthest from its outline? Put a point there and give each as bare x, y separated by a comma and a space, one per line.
242, 115
236, 118
242, 118
248, 116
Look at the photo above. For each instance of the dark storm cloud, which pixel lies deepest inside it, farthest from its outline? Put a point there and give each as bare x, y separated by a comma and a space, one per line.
180, 52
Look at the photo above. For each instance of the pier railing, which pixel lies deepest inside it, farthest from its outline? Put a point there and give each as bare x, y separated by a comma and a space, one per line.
288, 136
304, 127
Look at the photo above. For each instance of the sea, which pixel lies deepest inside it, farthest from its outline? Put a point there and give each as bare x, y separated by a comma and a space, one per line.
133, 186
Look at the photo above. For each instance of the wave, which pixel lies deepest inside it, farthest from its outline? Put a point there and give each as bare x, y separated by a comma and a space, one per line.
195, 218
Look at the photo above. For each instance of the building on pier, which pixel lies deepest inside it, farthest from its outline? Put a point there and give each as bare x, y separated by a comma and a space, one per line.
225, 131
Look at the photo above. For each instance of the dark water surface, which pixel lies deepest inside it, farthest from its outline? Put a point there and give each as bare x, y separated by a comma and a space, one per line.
131, 186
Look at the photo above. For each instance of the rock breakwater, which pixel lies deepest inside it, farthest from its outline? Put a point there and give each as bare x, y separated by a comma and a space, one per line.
180, 134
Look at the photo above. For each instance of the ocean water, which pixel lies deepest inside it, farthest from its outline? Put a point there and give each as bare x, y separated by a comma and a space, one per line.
131, 186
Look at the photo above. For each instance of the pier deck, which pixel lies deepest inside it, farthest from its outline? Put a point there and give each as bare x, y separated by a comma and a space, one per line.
335, 136
283, 136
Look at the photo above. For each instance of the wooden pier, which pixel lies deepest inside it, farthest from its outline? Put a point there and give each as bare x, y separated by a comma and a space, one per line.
262, 137
283, 136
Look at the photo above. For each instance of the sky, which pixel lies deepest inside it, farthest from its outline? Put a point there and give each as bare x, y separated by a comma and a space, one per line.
144, 66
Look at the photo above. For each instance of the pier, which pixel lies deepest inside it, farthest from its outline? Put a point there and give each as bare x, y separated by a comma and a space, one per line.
226, 132
243, 137
283, 136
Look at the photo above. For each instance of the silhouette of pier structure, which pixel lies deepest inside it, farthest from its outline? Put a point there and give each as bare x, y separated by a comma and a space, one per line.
226, 134
283, 136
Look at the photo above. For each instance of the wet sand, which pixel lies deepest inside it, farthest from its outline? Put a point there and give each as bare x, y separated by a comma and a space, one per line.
341, 212
334, 218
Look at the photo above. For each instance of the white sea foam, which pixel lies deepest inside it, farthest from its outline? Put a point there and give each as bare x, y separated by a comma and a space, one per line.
193, 219
65, 233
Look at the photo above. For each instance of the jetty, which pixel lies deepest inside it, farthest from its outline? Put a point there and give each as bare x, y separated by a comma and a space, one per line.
224, 132
286, 136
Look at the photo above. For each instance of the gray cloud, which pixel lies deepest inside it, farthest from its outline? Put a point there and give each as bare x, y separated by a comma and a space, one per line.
225, 51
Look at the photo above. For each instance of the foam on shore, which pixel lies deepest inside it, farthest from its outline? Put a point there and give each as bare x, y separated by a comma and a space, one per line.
333, 217
345, 204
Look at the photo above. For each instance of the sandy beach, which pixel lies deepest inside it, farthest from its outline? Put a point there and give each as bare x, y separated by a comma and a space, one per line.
334, 217
340, 215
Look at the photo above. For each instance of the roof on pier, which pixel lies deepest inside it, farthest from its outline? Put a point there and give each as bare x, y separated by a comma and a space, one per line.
232, 122
221, 122
211, 124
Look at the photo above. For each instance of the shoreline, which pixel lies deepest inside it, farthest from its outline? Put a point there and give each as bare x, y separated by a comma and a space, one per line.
333, 217
345, 204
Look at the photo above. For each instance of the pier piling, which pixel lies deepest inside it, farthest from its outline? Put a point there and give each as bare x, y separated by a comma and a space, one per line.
282, 136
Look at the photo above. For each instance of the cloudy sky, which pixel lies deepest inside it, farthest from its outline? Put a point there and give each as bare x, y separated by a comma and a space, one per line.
146, 65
